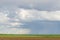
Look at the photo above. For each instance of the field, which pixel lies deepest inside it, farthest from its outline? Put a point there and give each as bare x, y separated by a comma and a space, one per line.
29, 37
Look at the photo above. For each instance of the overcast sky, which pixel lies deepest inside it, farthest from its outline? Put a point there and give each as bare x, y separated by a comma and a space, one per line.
30, 16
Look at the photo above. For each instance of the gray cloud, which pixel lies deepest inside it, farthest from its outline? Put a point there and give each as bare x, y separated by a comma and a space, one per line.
48, 5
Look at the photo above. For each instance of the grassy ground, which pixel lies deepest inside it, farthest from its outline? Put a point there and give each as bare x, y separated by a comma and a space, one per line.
29, 35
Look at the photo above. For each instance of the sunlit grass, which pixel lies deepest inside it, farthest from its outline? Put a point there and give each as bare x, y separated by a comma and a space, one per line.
29, 35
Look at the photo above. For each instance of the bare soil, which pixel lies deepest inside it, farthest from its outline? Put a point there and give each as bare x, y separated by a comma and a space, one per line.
27, 38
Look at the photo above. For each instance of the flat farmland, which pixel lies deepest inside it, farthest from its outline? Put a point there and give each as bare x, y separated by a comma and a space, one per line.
28, 37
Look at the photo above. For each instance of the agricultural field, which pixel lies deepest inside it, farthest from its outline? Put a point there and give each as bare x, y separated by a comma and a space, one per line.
29, 37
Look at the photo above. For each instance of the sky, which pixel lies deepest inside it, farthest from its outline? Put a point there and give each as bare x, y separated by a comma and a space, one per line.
29, 16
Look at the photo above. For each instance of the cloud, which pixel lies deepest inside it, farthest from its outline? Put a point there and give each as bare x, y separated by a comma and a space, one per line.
50, 27
9, 25
15, 31
19, 31
3, 18
44, 5
29, 15
16, 16
15, 24
24, 31
22, 17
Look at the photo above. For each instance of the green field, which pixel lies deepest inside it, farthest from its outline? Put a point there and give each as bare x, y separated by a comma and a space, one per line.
29, 35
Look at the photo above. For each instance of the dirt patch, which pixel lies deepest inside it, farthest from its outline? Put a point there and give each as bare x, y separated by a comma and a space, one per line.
27, 38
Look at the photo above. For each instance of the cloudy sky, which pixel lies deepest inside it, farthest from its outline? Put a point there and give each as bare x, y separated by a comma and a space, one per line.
29, 16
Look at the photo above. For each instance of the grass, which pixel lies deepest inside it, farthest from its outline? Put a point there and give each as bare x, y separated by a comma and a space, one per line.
29, 35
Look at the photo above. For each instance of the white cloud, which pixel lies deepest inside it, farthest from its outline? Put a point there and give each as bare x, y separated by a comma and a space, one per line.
14, 24
24, 31
26, 15
15, 31
3, 18
19, 31
29, 15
